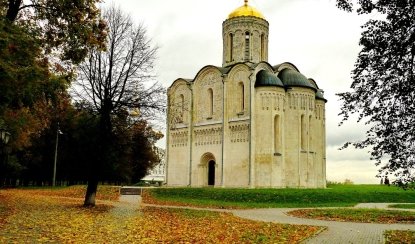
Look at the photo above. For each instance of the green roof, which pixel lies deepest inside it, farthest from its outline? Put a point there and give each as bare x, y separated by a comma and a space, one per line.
290, 77
267, 78
320, 95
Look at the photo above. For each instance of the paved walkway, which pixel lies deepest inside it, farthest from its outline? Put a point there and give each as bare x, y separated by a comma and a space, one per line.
336, 232
126, 206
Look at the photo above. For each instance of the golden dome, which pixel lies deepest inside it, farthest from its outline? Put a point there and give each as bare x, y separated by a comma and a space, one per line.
246, 10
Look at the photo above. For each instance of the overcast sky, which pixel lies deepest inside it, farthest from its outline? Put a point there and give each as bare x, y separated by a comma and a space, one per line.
321, 40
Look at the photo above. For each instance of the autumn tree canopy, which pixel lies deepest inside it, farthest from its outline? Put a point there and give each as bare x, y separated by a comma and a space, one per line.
39, 42
69, 27
382, 92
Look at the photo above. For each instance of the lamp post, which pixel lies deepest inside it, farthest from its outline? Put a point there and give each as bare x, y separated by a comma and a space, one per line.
4, 139
58, 131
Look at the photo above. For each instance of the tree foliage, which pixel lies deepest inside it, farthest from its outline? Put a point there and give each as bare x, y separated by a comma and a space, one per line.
69, 27
132, 154
115, 82
32, 93
383, 91
39, 40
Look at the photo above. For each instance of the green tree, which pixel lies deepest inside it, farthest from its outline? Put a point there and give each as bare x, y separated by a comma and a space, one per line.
115, 81
382, 92
30, 87
39, 42
145, 154
70, 27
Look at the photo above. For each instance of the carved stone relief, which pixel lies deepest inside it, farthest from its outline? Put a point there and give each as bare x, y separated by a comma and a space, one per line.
203, 111
179, 106
239, 133
272, 101
210, 136
179, 138
234, 94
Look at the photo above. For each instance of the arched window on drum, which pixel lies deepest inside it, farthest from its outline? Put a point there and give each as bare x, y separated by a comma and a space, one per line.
210, 103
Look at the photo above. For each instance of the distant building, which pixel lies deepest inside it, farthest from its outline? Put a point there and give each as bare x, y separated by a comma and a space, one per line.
247, 123
158, 173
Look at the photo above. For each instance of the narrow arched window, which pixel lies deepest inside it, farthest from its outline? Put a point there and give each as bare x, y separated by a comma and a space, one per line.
310, 133
262, 47
277, 134
247, 46
210, 98
230, 47
181, 107
241, 95
303, 132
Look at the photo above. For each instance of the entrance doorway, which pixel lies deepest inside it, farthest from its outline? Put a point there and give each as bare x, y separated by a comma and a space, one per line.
207, 170
211, 173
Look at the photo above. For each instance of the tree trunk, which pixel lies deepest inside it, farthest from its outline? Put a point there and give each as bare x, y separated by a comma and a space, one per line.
102, 159
13, 10
91, 192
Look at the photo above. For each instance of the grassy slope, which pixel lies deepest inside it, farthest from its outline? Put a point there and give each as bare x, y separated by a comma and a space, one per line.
334, 195
361, 215
405, 206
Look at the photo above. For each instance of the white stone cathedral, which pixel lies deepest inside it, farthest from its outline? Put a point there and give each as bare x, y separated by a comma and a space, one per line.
247, 123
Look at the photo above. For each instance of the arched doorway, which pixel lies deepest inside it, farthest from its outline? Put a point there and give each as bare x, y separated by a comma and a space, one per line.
207, 170
211, 173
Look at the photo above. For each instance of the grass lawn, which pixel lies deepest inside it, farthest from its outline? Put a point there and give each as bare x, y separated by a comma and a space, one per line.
357, 215
333, 196
53, 216
406, 206
399, 236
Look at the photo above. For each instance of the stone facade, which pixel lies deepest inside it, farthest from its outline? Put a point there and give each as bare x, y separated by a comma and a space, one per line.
247, 123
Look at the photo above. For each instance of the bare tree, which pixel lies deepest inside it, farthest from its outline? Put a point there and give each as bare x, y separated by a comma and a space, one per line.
118, 80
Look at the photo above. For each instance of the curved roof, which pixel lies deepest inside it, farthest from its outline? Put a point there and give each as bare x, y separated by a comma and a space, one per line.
320, 95
267, 78
290, 77
313, 82
245, 10
285, 65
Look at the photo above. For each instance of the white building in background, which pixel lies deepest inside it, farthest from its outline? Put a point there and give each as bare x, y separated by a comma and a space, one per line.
158, 173
247, 123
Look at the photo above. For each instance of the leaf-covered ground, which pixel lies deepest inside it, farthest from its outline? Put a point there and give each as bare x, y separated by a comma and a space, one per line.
110, 193
29, 216
357, 215
399, 236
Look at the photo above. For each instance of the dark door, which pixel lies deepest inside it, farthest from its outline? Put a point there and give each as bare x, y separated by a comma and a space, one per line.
211, 173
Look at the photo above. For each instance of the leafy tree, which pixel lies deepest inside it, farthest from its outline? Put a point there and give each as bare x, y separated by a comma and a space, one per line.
145, 155
383, 85
39, 40
71, 26
31, 90
113, 82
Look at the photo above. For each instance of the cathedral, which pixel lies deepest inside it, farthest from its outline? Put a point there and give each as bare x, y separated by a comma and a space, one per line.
247, 123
